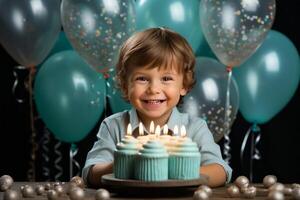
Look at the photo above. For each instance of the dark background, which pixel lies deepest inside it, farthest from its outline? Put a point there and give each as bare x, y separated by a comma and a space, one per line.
279, 144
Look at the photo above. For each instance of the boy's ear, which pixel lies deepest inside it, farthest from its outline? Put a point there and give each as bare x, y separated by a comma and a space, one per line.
183, 91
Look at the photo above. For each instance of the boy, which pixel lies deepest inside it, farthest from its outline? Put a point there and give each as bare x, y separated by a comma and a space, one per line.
154, 71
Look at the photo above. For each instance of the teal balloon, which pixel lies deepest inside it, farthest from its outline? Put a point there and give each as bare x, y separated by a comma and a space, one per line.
116, 101
179, 15
268, 79
69, 96
62, 44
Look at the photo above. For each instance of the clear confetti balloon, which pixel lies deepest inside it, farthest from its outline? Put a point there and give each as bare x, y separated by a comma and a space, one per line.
208, 97
235, 29
97, 28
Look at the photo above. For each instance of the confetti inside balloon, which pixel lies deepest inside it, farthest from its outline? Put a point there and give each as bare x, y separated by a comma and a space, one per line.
207, 98
96, 29
235, 29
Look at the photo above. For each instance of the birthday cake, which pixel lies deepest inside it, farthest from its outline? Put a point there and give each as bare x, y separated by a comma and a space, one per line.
156, 157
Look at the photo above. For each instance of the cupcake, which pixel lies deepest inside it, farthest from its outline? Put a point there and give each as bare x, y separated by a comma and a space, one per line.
184, 160
124, 157
152, 162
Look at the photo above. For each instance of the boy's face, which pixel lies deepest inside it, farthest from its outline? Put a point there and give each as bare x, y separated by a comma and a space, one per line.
154, 92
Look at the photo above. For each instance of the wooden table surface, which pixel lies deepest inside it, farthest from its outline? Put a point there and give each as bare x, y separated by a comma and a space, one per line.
146, 193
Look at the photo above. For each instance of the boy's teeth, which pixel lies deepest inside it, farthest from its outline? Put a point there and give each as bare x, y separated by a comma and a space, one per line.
153, 101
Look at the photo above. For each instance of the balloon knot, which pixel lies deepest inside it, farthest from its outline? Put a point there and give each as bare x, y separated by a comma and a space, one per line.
228, 68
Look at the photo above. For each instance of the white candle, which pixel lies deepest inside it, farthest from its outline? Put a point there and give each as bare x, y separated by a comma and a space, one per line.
141, 129
157, 131
175, 133
165, 129
151, 128
129, 130
182, 131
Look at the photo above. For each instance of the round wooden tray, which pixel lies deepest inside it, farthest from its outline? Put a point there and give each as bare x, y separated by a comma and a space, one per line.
110, 180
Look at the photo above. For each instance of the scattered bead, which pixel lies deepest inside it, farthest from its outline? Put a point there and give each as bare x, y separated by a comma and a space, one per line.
52, 194
249, 192
296, 193
39, 189
275, 195
233, 191
102, 194
206, 188
11, 195
269, 180
200, 195
242, 182
78, 181
6, 182
277, 186
27, 191
76, 193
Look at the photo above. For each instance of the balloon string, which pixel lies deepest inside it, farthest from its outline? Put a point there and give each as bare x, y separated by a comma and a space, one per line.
227, 155
16, 83
57, 160
45, 149
254, 152
31, 170
73, 152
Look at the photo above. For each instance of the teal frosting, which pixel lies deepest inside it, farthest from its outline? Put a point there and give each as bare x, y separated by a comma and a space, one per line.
186, 148
127, 146
153, 148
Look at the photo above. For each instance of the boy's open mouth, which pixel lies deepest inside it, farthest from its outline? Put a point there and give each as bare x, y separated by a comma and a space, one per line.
157, 101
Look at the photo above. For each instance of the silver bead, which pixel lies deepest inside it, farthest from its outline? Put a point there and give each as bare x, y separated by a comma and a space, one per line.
296, 193
242, 182
287, 191
233, 191
206, 188
249, 192
59, 189
269, 180
52, 194
78, 181
200, 195
28, 191
11, 195
277, 186
39, 189
102, 194
6, 182
76, 193
295, 185
275, 195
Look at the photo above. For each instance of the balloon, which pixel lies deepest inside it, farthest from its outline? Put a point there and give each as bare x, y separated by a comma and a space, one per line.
207, 99
268, 79
97, 28
235, 29
116, 101
180, 15
29, 29
69, 96
62, 44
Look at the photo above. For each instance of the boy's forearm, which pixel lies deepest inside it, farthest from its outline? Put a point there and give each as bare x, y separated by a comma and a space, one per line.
216, 174
97, 171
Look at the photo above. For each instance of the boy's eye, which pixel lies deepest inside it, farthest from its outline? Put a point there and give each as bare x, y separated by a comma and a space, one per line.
167, 78
141, 78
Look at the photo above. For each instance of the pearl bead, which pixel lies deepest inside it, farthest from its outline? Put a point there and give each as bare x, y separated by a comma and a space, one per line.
275, 195
269, 180
200, 195
233, 191
242, 181
102, 194
206, 188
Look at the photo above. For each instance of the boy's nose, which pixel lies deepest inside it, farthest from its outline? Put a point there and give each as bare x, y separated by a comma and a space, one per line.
154, 88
